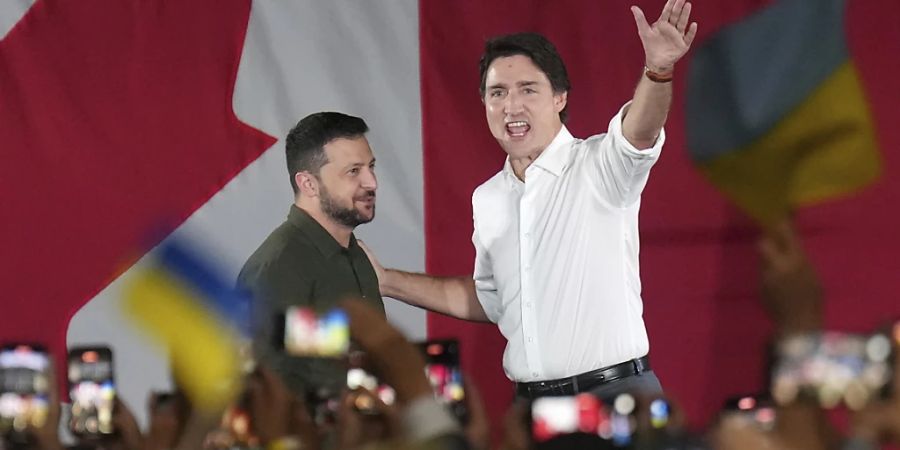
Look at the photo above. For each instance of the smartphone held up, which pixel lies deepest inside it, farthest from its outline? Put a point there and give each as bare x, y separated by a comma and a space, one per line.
304, 332
24, 390
834, 368
92, 391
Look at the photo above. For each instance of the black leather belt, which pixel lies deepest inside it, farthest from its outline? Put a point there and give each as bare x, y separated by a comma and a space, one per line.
583, 382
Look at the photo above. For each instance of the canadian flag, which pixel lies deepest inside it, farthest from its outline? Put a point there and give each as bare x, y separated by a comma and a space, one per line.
118, 118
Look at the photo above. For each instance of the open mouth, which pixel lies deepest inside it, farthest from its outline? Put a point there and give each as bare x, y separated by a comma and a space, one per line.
517, 129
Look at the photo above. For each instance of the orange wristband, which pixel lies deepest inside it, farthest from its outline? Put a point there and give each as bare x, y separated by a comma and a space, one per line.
657, 77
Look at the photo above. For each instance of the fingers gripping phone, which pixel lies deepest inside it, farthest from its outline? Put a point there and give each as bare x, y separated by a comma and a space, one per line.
366, 385
92, 391
24, 390
443, 372
757, 410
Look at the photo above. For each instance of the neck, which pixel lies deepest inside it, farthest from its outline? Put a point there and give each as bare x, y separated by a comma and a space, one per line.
519, 165
340, 233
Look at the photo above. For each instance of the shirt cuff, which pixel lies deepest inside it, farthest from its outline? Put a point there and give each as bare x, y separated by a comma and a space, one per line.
424, 418
615, 130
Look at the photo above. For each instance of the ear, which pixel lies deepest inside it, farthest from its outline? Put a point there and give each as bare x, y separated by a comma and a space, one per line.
560, 100
307, 184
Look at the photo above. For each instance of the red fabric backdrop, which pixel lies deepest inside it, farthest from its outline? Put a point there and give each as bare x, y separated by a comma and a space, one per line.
698, 260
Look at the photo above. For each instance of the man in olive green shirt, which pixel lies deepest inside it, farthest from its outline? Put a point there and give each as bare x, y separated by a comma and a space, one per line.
312, 259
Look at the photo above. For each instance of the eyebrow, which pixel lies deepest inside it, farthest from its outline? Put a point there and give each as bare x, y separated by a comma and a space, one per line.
519, 84
358, 164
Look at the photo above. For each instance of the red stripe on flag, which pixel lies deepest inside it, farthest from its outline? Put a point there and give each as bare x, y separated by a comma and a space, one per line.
116, 121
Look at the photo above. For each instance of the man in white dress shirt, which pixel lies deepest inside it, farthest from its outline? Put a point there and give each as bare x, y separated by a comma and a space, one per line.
556, 230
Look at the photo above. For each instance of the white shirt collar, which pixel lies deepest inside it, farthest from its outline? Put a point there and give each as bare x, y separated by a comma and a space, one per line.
553, 159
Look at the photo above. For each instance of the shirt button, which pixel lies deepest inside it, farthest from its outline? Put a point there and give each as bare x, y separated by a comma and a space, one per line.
534, 374
528, 304
530, 339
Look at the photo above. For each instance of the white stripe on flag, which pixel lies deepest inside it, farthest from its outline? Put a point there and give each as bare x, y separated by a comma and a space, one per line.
11, 11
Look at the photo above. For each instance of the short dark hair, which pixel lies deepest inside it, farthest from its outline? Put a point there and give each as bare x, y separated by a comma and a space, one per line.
305, 143
541, 52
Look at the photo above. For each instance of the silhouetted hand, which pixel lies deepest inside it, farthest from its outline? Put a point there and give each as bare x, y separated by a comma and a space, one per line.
398, 362
127, 434
478, 429
739, 433
356, 429
46, 434
276, 412
791, 291
168, 414
516, 435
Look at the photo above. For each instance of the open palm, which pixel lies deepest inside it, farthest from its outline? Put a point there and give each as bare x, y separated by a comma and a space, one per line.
669, 38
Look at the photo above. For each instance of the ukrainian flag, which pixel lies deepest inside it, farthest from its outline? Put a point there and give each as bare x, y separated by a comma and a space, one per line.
776, 116
198, 317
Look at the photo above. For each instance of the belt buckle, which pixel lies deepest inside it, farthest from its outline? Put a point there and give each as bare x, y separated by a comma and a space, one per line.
560, 388
545, 388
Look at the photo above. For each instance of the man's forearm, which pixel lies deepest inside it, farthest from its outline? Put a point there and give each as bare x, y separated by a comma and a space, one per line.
453, 296
647, 113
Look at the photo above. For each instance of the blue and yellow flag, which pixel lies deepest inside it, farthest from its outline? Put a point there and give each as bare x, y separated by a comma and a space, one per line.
776, 116
198, 317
